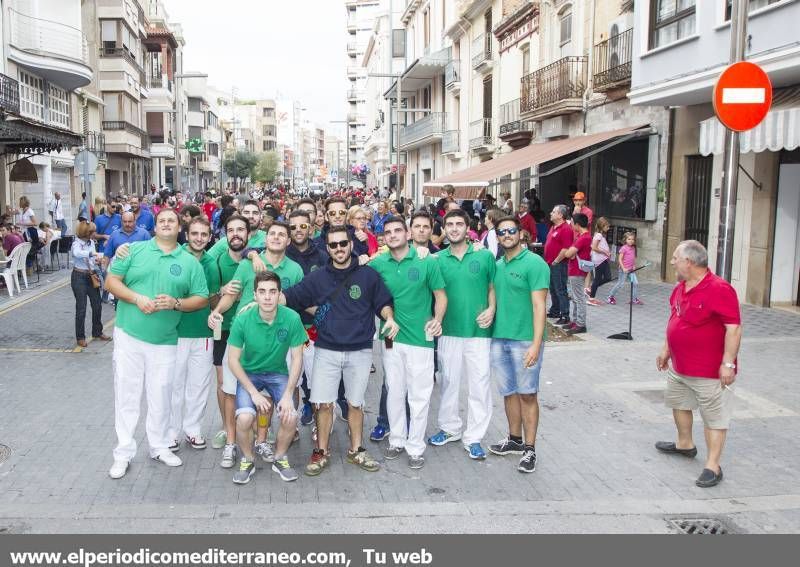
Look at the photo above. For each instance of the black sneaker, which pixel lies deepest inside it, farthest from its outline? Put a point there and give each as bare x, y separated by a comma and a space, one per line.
527, 463
553, 316
507, 447
576, 330
562, 321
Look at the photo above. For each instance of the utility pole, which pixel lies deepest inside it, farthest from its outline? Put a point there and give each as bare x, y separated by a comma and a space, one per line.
730, 159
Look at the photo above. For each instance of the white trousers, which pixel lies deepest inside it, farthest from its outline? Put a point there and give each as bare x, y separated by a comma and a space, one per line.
470, 357
308, 363
194, 368
138, 364
409, 371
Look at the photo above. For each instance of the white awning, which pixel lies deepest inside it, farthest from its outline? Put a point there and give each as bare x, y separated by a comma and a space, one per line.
780, 130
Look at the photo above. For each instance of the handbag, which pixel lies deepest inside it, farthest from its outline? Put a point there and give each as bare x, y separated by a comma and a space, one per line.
585, 265
95, 280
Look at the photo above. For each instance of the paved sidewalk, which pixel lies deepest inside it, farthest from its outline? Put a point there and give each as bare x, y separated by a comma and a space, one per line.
597, 470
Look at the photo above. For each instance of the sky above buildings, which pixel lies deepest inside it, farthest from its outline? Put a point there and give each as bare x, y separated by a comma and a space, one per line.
268, 48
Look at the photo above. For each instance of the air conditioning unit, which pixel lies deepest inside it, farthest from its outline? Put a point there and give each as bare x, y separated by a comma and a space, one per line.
615, 44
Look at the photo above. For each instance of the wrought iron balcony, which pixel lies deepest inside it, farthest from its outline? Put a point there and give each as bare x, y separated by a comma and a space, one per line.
613, 61
123, 125
9, 94
482, 52
425, 129
123, 53
159, 82
555, 89
515, 132
481, 138
452, 73
96, 142
451, 142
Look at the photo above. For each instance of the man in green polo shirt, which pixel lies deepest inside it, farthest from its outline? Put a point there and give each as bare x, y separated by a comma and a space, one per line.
521, 283
156, 283
466, 336
256, 237
408, 360
195, 361
259, 341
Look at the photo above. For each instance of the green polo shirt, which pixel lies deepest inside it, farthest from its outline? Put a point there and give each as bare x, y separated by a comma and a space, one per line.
194, 325
149, 272
265, 345
513, 283
226, 270
288, 270
467, 282
411, 281
258, 240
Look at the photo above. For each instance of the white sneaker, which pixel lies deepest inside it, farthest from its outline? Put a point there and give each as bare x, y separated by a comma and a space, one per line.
168, 458
228, 456
118, 469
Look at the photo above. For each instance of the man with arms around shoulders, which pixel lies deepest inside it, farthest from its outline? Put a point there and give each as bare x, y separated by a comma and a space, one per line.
260, 339
408, 359
704, 333
154, 284
466, 336
256, 239
520, 284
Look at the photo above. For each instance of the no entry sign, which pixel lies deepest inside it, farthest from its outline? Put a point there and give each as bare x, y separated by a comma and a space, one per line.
742, 96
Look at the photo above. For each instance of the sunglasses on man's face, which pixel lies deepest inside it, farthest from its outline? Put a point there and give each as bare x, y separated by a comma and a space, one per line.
337, 213
303, 226
338, 244
504, 231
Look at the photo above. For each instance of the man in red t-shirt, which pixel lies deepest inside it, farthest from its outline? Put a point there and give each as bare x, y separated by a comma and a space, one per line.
703, 336
209, 206
559, 240
580, 249
526, 221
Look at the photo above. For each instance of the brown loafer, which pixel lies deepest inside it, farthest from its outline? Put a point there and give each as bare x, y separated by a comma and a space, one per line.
82, 343
103, 338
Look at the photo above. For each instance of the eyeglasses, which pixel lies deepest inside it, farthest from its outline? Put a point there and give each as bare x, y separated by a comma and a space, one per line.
504, 231
337, 213
339, 244
302, 226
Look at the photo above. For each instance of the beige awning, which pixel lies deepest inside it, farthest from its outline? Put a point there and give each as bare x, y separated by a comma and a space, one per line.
471, 182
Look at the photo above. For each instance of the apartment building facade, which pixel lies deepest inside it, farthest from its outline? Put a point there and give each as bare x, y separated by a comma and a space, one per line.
679, 50
204, 125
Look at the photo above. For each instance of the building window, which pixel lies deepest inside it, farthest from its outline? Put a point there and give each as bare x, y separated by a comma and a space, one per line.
624, 176
751, 6
566, 29
426, 22
31, 96
268, 113
398, 43
671, 20
111, 107
58, 106
526, 60
108, 33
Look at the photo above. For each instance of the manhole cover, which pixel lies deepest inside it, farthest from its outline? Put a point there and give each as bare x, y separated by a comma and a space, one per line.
700, 526
5, 452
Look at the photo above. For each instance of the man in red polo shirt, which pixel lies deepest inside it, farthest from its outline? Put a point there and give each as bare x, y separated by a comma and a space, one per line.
559, 240
703, 336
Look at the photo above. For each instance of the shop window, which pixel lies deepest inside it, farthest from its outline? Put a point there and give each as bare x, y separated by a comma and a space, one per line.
623, 178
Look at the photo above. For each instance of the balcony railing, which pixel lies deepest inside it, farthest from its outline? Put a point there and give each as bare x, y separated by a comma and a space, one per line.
452, 73
160, 82
96, 142
451, 141
565, 79
430, 125
9, 94
613, 59
123, 125
482, 50
46, 37
480, 133
123, 53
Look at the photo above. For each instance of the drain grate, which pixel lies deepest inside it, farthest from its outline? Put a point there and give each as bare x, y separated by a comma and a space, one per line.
700, 526
5, 452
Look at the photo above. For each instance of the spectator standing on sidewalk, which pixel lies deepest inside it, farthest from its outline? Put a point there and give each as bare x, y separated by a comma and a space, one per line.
56, 210
601, 255
580, 251
559, 240
703, 337
626, 263
84, 258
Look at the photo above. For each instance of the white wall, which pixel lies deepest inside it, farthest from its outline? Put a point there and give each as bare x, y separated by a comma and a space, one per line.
786, 258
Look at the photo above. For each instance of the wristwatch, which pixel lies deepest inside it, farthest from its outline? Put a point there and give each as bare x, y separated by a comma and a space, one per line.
730, 365
177, 304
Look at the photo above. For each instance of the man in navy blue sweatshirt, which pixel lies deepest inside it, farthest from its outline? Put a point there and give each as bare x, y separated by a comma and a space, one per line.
348, 296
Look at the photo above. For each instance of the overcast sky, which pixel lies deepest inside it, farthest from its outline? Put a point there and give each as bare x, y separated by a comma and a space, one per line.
265, 47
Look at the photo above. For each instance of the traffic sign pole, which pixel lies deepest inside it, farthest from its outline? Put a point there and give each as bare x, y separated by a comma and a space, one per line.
730, 159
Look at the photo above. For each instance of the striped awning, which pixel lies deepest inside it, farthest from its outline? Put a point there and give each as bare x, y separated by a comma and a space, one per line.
780, 130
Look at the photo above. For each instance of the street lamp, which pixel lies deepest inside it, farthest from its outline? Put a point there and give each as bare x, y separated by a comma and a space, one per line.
346, 147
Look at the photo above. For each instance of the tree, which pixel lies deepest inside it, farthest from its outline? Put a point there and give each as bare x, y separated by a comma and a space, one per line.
267, 168
242, 167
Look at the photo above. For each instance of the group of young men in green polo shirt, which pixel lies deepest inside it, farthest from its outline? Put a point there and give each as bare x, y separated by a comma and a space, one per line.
489, 316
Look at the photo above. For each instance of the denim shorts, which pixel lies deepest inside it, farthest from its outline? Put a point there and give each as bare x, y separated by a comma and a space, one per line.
508, 368
273, 384
331, 366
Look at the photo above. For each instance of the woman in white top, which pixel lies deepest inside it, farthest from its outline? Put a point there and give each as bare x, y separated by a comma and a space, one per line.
84, 255
601, 252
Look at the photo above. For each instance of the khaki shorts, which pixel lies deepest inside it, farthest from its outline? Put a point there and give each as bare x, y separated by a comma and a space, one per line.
714, 402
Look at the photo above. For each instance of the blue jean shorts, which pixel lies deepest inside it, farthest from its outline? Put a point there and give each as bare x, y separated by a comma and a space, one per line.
508, 368
273, 384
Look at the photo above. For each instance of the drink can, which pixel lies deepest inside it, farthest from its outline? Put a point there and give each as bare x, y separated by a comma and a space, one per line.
262, 420
389, 343
218, 332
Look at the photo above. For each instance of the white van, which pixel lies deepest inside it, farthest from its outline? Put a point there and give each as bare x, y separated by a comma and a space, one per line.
316, 189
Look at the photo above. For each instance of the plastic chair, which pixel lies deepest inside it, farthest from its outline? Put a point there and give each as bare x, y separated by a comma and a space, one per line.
7, 275
11, 273
53, 253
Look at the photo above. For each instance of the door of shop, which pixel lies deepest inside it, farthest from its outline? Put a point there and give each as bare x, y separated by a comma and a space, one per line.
698, 198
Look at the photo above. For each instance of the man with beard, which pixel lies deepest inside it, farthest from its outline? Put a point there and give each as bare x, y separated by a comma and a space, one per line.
466, 336
348, 296
521, 282
310, 258
408, 359
154, 284
336, 213
143, 219
257, 238
195, 360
